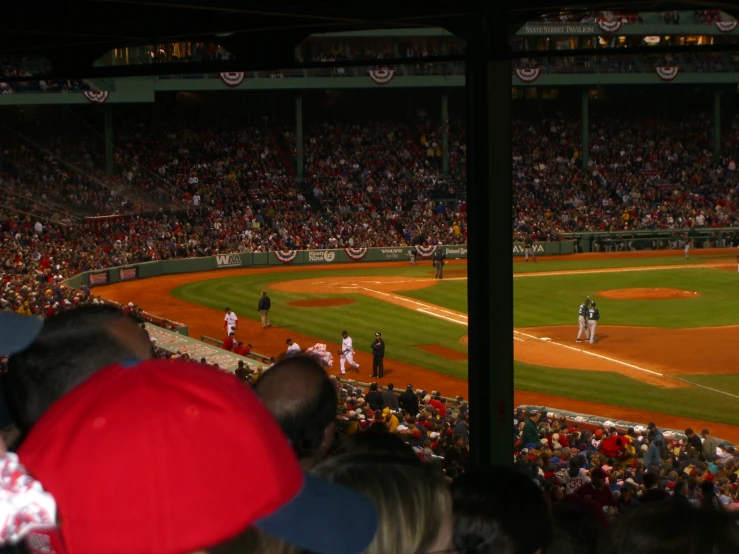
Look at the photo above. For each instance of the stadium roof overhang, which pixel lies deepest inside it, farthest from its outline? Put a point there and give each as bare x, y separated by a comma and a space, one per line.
73, 34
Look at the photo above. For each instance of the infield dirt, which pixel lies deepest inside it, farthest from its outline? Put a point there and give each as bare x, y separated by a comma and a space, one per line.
648, 294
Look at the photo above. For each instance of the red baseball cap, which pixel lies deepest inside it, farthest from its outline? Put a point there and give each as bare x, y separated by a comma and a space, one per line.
170, 457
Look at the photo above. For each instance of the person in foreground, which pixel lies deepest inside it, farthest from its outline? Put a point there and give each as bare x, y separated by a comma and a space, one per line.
666, 527
139, 459
488, 504
413, 501
303, 400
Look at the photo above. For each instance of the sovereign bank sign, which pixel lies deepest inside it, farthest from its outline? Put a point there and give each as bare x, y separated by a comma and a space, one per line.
228, 260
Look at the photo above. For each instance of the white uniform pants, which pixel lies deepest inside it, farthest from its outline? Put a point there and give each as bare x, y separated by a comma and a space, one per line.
348, 357
583, 327
687, 248
230, 329
592, 324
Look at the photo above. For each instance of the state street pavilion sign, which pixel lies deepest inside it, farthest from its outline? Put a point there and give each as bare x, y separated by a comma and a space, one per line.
559, 29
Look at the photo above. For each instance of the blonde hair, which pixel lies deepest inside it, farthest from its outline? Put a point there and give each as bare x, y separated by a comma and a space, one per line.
411, 498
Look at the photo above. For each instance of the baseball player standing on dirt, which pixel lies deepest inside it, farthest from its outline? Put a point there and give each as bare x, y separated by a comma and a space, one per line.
582, 319
438, 258
230, 322
527, 249
593, 317
347, 353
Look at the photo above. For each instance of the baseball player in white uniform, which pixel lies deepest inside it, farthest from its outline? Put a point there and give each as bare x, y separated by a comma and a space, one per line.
347, 353
292, 348
582, 319
230, 322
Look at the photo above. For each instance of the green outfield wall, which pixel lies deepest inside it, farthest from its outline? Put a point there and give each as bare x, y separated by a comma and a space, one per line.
257, 259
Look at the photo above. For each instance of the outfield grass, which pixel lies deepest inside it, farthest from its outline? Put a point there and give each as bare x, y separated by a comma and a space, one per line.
402, 329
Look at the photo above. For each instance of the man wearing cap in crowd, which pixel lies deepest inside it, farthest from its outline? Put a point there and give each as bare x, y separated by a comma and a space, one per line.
378, 355
80, 451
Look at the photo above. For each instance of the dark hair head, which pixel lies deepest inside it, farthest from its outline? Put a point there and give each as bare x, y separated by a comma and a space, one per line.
487, 512
662, 527
303, 400
70, 347
650, 479
376, 442
681, 487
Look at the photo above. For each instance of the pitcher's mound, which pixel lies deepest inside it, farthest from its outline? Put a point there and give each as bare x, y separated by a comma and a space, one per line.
648, 294
320, 302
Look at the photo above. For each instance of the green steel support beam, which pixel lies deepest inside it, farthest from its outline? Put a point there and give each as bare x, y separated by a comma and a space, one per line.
490, 228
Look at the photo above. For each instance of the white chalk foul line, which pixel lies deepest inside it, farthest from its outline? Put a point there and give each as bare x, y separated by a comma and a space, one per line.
520, 340
458, 322
632, 366
415, 302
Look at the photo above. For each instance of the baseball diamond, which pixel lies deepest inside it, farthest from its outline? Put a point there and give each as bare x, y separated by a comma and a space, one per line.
670, 360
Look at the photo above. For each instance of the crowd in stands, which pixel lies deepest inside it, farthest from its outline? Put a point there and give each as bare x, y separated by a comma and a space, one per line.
325, 466
643, 173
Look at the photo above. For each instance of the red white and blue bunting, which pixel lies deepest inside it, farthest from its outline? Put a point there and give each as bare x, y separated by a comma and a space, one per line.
609, 26
726, 26
286, 256
426, 251
667, 73
529, 74
232, 79
382, 75
356, 254
96, 96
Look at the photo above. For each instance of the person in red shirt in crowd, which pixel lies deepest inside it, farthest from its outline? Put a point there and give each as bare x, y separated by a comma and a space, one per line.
596, 490
438, 404
242, 349
228, 344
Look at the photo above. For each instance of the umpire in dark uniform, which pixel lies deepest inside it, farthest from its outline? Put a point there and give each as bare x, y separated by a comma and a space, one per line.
438, 257
378, 356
